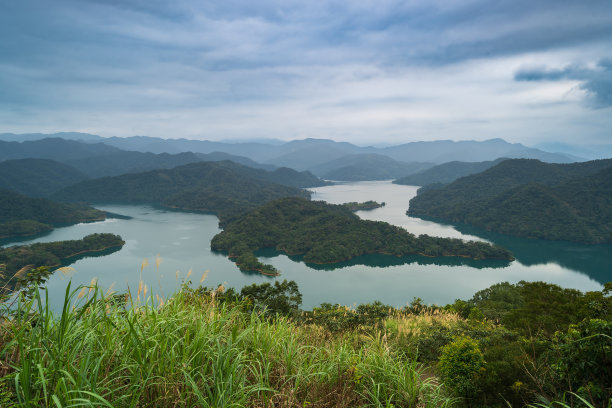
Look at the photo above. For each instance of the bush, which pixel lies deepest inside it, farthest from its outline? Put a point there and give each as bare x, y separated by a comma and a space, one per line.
461, 362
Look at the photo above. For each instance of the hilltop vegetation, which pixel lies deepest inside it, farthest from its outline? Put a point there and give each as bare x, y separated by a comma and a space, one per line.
253, 348
326, 233
224, 188
48, 254
21, 215
446, 173
530, 199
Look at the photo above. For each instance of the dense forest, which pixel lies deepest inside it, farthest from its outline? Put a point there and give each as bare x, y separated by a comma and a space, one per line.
37, 177
446, 173
359, 167
326, 233
530, 199
49, 254
21, 215
225, 188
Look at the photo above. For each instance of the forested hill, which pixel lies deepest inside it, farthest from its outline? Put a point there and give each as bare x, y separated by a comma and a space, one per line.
21, 215
529, 198
326, 233
37, 177
446, 173
225, 188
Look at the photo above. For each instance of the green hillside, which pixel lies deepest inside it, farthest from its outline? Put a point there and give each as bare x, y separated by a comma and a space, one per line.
530, 199
21, 215
224, 188
326, 233
37, 177
446, 173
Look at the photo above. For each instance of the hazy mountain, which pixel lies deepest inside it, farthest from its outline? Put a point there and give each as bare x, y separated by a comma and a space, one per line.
582, 152
309, 153
37, 177
86, 137
446, 173
528, 198
54, 149
367, 167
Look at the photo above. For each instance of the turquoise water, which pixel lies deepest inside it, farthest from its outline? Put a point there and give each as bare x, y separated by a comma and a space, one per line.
182, 241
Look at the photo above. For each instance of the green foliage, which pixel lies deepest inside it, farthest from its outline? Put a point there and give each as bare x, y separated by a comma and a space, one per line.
461, 362
282, 298
326, 233
528, 198
196, 351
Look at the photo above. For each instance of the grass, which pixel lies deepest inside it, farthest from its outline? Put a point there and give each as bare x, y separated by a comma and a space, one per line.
191, 350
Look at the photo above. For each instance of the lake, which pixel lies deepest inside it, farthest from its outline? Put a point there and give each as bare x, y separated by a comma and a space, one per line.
182, 241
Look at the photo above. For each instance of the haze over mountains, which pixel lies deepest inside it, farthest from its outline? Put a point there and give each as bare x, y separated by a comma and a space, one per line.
96, 156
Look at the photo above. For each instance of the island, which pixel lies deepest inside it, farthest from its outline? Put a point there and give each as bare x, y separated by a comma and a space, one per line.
325, 233
17, 260
365, 206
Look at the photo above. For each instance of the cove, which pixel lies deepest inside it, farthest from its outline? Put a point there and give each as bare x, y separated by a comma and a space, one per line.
182, 241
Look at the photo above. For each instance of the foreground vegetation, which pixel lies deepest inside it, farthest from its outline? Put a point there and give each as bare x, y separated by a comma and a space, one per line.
327, 233
256, 348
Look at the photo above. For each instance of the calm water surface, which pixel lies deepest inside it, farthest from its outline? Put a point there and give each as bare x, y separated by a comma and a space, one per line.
182, 241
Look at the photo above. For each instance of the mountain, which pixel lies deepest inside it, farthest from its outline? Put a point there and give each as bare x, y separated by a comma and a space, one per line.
307, 154
371, 166
37, 177
54, 149
84, 137
446, 173
100, 160
528, 198
225, 188
22, 215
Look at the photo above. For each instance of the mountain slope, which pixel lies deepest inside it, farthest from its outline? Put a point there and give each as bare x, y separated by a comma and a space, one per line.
21, 215
225, 188
529, 198
37, 177
446, 173
371, 166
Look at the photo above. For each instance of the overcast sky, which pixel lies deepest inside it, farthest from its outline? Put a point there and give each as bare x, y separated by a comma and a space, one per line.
380, 71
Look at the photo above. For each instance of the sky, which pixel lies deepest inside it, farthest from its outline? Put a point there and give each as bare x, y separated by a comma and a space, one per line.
380, 71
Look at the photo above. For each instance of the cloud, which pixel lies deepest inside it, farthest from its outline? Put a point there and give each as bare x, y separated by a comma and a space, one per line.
596, 81
369, 70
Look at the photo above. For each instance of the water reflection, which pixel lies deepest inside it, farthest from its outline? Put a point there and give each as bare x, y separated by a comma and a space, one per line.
382, 261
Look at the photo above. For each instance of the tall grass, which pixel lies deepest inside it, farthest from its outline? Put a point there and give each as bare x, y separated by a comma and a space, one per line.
107, 351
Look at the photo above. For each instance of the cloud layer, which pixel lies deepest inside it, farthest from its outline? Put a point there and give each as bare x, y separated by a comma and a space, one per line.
366, 71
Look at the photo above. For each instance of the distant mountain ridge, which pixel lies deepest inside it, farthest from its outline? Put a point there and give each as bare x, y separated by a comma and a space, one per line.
357, 167
446, 173
307, 153
528, 198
